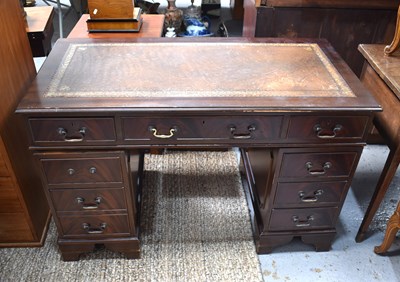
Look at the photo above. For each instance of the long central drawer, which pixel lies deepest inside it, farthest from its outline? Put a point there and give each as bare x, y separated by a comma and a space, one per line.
223, 128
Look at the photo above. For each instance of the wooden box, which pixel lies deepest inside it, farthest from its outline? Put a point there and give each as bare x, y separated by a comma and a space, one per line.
39, 27
132, 24
111, 9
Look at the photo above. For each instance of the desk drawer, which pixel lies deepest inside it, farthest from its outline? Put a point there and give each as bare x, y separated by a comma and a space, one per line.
318, 164
299, 219
226, 129
328, 128
85, 170
96, 225
305, 194
74, 131
89, 200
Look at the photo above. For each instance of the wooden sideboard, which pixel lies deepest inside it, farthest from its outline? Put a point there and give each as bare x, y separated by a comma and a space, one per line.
24, 212
344, 23
296, 110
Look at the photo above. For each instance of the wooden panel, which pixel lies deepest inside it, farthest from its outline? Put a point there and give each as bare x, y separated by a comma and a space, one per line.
111, 9
386, 121
9, 199
15, 228
4, 170
17, 71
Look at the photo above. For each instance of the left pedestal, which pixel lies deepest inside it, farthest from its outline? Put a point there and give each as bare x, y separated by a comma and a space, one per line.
93, 198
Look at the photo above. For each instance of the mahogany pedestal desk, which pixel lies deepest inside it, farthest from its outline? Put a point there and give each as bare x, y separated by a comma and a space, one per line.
152, 26
298, 113
381, 75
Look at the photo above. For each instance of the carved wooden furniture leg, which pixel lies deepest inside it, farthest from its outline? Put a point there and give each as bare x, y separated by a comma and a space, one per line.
384, 181
392, 227
396, 39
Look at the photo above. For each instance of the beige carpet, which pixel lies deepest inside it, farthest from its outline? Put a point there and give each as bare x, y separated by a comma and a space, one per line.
195, 227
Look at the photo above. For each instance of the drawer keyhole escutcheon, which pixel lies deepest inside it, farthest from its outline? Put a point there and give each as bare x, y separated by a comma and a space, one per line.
92, 170
64, 133
302, 223
327, 133
91, 230
89, 206
235, 135
311, 171
172, 131
71, 171
310, 199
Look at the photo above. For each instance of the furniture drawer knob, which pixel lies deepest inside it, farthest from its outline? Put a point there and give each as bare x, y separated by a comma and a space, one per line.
71, 171
310, 199
64, 133
311, 171
92, 170
235, 135
327, 133
91, 230
302, 223
163, 136
89, 206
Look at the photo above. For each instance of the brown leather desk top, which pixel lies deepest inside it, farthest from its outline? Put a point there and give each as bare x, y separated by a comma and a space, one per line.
244, 74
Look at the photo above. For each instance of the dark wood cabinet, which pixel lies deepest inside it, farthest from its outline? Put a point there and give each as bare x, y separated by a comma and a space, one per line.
24, 212
345, 24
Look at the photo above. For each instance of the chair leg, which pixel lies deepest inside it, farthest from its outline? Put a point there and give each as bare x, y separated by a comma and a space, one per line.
384, 181
392, 227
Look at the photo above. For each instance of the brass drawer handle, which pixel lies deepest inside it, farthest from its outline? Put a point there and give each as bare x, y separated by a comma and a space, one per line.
250, 128
90, 230
310, 199
63, 132
163, 136
325, 167
327, 134
89, 206
302, 223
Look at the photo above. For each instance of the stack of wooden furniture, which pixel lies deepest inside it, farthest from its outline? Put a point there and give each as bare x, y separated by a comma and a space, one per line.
24, 213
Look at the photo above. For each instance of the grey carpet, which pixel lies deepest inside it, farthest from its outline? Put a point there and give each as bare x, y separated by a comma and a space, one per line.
195, 227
